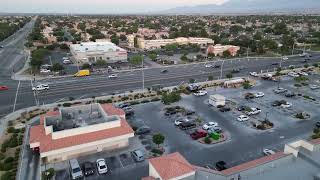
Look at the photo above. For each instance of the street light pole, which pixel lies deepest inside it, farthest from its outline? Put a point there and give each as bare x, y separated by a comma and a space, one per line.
221, 69
142, 72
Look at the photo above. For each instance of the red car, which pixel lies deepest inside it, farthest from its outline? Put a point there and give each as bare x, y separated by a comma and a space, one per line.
3, 88
198, 134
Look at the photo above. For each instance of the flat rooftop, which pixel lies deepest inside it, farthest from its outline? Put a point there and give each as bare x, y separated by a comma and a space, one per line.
79, 116
96, 47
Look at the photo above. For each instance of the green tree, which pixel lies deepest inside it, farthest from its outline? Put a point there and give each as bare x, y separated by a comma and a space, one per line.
152, 56
136, 42
115, 39
86, 66
210, 78
57, 67
229, 75
136, 59
226, 54
192, 81
171, 47
101, 62
158, 139
168, 98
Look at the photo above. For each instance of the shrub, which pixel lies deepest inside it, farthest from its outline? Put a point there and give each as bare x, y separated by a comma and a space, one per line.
134, 102
145, 101
315, 136
2, 156
299, 116
156, 151
316, 130
155, 99
10, 130
8, 176
66, 104
207, 140
261, 127
124, 98
8, 160
48, 174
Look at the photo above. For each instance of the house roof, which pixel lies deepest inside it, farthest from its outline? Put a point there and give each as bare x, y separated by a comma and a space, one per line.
37, 134
171, 166
254, 163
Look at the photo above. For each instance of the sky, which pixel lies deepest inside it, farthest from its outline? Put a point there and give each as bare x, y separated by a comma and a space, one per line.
96, 6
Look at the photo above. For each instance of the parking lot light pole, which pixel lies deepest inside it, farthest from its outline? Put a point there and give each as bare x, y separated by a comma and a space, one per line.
142, 72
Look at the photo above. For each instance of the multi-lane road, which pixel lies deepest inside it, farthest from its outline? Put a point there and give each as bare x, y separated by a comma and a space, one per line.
20, 94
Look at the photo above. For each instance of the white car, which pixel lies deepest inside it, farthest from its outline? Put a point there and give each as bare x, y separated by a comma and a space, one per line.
259, 94
179, 121
113, 76
285, 58
242, 118
41, 87
209, 125
66, 61
314, 86
303, 73
45, 70
268, 152
286, 105
254, 74
102, 166
200, 93
253, 111
208, 65
293, 74
65, 58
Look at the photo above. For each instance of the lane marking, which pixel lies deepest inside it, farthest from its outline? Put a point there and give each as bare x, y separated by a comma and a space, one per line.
15, 100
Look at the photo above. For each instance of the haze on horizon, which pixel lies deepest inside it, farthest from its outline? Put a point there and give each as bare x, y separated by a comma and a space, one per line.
96, 6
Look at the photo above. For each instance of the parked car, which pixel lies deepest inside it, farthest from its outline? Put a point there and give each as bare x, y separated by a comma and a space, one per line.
278, 103
189, 113
41, 87
113, 76
224, 109
253, 111
102, 166
198, 134
293, 74
259, 94
290, 94
45, 70
123, 105
285, 58
314, 86
249, 96
301, 73
215, 129
4, 88
280, 90
268, 152
318, 124
200, 93
221, 165
286, 105
187, 125
177, 122
209, 125
137, 155
143, 130
75, 169
243, 118
66, 61
88, 168
254, 74
242, 108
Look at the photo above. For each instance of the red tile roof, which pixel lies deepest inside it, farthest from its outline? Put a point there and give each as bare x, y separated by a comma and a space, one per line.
37, 133
111, 110
171, 166
315, 141
254, 163
48, 114
148, 178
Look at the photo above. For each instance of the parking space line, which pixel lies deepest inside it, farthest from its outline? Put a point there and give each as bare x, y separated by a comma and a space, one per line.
15, 100
121, 163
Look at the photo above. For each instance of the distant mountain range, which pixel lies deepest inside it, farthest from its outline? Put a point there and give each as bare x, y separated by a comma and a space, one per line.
250, 7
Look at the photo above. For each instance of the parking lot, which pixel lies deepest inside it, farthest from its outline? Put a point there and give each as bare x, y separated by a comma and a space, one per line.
244, 143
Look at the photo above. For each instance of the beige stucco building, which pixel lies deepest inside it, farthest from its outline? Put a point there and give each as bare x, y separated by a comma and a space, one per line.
158, 43
80, 130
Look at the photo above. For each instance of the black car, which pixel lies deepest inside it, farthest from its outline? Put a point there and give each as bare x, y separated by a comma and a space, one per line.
242, 108
164, 71
143, 130
187, 125
189, 113
318, 124
249, 96
216, 66
1, 46
88, 168
225, 109
221, 165
123, 105
278, 103
235, 70
290, 94
274, 64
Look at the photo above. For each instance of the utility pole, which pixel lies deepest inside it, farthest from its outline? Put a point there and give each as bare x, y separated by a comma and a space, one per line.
292, 48
142, 72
